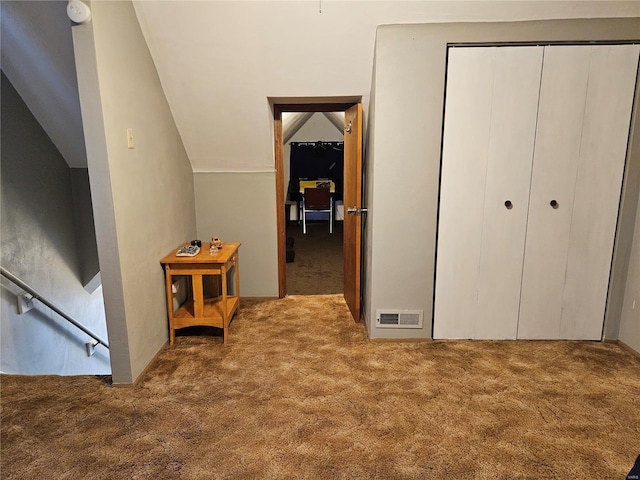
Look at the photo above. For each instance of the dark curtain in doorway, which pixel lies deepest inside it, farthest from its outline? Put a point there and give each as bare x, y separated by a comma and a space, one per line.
313, 161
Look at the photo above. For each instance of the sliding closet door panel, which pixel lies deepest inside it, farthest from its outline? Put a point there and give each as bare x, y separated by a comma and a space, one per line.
487, 150
583, 125
463, 178
611, 85
512, 135
555, 165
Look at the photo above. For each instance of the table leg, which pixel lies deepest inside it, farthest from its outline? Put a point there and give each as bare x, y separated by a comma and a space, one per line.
198, 297
169, 283
225, 311
236, 259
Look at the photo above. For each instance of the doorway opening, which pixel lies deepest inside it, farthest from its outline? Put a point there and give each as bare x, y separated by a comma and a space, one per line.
314, 165
352, 193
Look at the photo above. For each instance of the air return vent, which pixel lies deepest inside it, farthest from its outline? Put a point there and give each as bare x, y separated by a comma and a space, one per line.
399, 318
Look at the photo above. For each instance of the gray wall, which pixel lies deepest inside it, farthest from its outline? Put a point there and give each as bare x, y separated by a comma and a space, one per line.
630, 321
624, 285
85, 229
367, 186
39, 245
143, 197
404, 153
240, 207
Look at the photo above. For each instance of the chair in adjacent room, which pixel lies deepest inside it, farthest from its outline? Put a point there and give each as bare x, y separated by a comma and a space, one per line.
315, 201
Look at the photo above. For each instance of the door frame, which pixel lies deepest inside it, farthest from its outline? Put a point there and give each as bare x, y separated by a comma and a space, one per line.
337, 104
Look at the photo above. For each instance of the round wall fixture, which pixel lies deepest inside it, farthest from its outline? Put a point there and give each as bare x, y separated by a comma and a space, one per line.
78, 12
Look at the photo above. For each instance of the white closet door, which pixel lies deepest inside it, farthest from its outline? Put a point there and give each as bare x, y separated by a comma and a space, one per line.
557, 152
489, 131
583, 125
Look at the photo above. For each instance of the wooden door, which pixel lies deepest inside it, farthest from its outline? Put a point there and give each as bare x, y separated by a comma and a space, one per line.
352, 234
489, 132
583, 126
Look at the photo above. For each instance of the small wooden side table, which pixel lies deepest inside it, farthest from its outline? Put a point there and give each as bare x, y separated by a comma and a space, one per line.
217, 308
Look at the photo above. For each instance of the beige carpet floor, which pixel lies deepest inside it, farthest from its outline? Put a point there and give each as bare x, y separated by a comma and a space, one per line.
300, 393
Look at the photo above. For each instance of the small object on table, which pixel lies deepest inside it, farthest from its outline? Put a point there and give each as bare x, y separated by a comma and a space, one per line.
215, 245
188, 251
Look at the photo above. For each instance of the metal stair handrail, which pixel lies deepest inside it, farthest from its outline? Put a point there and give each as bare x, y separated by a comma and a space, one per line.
34, 293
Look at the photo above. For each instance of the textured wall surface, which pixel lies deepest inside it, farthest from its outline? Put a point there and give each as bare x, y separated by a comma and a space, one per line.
630, 320
39, 246
231, 206
143, 196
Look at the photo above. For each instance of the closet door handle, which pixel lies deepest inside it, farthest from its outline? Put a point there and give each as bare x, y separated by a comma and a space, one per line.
508, 204
554, 204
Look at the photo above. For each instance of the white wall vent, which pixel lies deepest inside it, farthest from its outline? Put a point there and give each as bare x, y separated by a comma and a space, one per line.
399, 318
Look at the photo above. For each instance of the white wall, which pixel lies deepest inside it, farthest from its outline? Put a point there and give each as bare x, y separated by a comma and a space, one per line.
38, 240
405, 150
143, 197
219, 60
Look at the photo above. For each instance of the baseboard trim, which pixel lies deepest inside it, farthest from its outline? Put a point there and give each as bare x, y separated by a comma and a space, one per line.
626, 347
142, 374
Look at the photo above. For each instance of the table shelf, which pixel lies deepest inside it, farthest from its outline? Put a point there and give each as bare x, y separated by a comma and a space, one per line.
213, 312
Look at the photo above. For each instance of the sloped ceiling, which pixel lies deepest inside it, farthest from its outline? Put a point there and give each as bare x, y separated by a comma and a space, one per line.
37, 58
293, 121
220, 61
